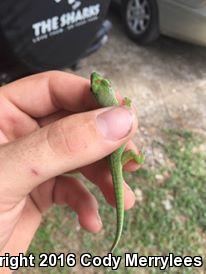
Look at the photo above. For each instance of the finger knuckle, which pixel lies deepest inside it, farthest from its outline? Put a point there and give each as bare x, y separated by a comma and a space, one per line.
56, 138
69, 139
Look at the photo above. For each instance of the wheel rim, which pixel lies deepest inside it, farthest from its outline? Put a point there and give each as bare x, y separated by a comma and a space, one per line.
138, 15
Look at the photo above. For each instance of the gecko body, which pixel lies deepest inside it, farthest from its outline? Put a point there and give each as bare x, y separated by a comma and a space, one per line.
102, 90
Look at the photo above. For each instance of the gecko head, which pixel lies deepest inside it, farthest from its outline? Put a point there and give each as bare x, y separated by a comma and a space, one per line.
99, 84
102, 90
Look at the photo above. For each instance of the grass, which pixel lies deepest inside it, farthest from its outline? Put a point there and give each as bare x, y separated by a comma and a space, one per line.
171, 217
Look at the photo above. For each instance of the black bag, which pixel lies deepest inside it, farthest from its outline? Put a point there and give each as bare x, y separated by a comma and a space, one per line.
49, 34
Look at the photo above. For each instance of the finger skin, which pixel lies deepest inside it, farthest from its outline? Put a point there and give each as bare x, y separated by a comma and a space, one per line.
8, 221
44, 121
73, 193
44, 93
67, 144
23, 233
14, 123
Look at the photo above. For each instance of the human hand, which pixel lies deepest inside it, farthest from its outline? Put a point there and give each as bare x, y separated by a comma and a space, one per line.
47, 128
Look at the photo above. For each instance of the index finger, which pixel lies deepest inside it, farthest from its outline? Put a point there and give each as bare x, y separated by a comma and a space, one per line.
45, 93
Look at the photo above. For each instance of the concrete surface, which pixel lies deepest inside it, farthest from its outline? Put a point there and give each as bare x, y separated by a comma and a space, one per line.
167, 81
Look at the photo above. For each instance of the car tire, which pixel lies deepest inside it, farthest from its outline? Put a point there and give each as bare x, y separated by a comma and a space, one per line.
144, 29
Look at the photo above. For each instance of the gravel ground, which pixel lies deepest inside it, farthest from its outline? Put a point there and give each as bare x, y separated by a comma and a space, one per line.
166, 80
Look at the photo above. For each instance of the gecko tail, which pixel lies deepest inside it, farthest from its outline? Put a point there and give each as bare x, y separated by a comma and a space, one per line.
112, 249
118, 235
118, 181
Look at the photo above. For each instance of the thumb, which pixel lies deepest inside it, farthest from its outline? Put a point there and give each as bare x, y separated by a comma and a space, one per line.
65, 145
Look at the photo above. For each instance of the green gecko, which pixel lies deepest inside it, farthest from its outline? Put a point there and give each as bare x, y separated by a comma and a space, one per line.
105, 96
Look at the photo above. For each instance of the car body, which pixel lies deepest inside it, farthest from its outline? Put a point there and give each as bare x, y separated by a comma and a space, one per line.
182, 19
